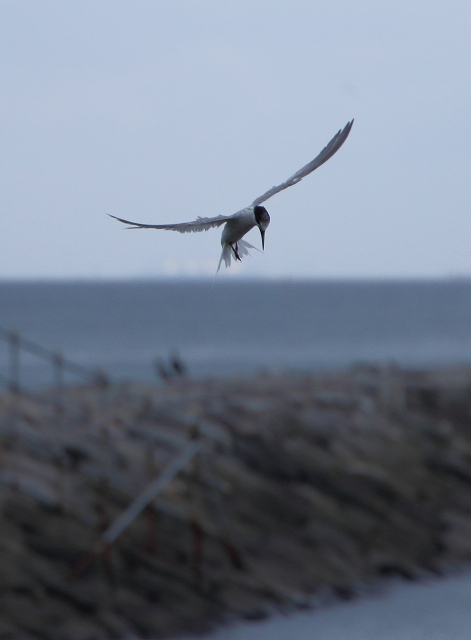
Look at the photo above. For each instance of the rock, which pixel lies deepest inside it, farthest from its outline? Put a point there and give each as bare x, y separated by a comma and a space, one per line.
306, 485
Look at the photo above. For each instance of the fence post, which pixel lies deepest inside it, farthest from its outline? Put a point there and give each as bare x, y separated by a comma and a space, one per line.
58, 365
14, 362
102, 385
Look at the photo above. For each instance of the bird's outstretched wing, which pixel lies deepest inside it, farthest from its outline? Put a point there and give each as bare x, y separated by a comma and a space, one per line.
326, 153
200, 224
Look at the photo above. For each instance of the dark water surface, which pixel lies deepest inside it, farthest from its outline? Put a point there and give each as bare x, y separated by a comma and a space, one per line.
240, 327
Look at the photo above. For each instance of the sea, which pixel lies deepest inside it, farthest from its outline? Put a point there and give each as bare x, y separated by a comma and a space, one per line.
235, 328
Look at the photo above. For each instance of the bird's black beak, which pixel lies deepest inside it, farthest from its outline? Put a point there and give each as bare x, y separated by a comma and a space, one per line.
262, 233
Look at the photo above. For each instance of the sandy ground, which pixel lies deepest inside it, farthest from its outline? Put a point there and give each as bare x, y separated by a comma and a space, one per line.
430, 610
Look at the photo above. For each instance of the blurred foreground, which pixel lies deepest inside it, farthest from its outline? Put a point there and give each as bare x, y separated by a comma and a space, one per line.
300, 489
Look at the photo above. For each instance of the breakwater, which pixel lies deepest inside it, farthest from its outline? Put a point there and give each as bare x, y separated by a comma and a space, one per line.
298, 488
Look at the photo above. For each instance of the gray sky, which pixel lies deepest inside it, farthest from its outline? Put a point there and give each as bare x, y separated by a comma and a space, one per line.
162, 111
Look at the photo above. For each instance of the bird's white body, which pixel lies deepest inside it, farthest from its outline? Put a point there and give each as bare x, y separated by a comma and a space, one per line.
235, 229
240, 223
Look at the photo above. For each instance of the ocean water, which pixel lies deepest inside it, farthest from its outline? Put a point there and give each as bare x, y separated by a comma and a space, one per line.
238, 327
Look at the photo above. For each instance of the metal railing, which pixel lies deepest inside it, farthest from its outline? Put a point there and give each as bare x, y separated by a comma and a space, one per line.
188, 448
59, 365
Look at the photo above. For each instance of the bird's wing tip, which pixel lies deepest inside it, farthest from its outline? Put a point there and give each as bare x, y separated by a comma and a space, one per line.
134, 225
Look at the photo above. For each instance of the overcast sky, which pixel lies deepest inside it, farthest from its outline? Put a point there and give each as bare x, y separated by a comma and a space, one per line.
161, 111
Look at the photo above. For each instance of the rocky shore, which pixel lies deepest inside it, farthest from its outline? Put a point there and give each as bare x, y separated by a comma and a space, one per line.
305, 488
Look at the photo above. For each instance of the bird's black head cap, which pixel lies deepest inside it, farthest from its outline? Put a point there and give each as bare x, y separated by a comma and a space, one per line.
262, 217
263, 220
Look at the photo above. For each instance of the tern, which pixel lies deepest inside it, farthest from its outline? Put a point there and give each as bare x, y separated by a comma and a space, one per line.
240, 223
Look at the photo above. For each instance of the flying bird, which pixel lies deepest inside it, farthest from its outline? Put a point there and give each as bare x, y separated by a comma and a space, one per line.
240, 223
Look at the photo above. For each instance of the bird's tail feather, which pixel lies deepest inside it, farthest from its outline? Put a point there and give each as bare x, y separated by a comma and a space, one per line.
227, 252
245, 246
225, 255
